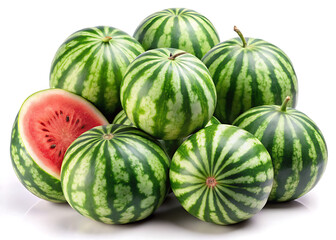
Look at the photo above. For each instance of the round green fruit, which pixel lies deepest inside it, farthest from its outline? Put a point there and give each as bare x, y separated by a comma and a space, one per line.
297, 147
47, 123
92, 62
222, 174
115, 174
179, 28
247, 73
168, 93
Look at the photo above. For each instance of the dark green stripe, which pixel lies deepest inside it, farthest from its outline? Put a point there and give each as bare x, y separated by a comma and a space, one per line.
198, 89
275, 89
145, 88
160, 120
185, 101
205, 32
150, 22
176, 33
158, 33
232, 88
193, 38
90, 205
84, 74
138, 75
286, 71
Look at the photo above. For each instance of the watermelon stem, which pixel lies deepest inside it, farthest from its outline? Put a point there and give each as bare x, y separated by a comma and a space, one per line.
172, 57
106, 39
284, 104
240, 35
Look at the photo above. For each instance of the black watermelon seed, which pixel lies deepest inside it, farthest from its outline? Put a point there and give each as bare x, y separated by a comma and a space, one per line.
53, 146
67, 118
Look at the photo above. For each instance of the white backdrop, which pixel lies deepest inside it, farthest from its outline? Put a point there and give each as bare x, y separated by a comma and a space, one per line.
31, 32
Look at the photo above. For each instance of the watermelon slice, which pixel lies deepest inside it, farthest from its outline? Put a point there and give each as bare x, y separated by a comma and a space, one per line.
47, 123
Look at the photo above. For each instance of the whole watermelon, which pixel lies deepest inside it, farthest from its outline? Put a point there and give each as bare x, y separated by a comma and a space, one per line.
222, 174
179, 28
115, 174
297, 147
247, 73
92, 62
168, 93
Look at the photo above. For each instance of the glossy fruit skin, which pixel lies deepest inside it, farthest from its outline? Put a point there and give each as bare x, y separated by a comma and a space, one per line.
168, 98
179, 28
246, 77
222, 174
169, 145
36, 178
296, 145
115, 174
30, 174
92, 62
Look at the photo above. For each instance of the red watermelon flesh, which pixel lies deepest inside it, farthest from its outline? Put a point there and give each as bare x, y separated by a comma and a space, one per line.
50, 121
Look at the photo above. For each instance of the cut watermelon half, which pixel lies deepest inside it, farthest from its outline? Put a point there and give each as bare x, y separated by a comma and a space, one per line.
50, 120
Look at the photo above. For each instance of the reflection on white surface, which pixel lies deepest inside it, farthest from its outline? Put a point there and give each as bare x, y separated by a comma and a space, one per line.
168, 220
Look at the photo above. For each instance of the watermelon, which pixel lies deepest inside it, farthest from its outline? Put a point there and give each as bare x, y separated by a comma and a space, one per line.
92, 62
179, 28
121, 118
247, 73
297, 147
115, 174
169, 145
222, 174
213, 121
168, 93
45, 126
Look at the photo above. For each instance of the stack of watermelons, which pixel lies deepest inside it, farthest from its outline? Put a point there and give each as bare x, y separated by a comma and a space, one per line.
171, 94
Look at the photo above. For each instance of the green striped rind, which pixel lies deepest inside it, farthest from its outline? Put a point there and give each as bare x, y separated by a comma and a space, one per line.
34, 178
297, 147
213, 121
118, 180
168, 99
237, 160
259, 74
169, 145
179, 28
86, 65
121, 118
